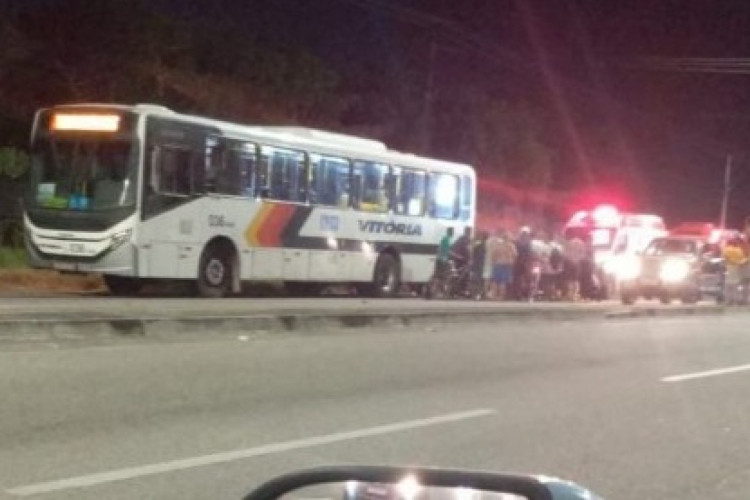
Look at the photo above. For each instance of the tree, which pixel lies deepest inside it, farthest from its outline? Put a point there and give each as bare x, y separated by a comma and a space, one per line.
13, 163
115, 51
502, 139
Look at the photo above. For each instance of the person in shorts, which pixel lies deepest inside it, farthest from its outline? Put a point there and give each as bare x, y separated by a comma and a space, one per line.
502, 254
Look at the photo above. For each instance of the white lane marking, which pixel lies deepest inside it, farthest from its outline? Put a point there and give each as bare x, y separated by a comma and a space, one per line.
707, 373
229, 456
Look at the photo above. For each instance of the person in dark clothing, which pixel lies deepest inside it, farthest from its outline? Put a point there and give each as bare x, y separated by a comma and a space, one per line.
587, 278
461, 249
522, 265
478, 262
556, 286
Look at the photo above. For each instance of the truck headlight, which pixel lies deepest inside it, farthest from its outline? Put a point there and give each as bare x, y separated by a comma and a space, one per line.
117, 239
628, 268
674, 270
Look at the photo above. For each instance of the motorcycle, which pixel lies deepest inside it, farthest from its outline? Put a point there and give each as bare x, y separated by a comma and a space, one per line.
454, 282
394, 483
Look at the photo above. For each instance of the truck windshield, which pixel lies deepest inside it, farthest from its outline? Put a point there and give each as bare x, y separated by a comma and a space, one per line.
599, 237
82, 174
671, 247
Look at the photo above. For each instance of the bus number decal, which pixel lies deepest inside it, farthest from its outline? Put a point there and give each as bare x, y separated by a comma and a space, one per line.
329, 222
219, 221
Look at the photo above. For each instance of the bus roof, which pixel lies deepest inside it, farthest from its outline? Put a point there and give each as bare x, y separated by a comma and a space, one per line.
319, 141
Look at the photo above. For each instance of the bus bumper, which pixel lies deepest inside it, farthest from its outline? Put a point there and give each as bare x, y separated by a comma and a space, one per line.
120, 261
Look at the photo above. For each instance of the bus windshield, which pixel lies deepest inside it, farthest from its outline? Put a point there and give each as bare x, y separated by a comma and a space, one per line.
82, 174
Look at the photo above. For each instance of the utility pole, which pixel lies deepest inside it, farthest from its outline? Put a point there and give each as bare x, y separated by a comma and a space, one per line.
727, 189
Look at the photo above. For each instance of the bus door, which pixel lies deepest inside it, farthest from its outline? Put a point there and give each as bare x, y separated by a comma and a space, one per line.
173, 182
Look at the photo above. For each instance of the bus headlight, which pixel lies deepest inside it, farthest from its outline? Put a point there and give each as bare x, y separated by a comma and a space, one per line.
118, 239
674, 270
628, 268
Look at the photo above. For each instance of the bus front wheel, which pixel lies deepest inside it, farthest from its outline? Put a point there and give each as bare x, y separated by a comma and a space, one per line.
215, 272
122, 286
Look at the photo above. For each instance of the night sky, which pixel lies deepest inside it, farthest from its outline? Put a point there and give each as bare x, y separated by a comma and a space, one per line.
616, 112
660, 136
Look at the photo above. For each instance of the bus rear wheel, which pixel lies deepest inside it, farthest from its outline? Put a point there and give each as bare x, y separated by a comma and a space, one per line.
122, 286
215, 271
386, 280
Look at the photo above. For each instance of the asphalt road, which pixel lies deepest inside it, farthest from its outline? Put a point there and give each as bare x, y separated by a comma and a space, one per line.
211, 418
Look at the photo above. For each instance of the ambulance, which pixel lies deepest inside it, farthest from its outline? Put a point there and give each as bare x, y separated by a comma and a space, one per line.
615, 237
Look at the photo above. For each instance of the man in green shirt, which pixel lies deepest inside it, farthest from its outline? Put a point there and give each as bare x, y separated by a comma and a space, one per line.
444, 253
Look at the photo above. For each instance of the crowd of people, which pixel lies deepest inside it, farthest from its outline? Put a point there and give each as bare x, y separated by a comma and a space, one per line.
736, 259
524, 266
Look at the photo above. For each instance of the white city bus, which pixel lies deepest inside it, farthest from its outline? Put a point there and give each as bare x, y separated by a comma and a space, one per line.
141, 192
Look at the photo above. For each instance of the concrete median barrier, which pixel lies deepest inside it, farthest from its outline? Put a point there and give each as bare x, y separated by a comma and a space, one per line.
667, 311
58, 327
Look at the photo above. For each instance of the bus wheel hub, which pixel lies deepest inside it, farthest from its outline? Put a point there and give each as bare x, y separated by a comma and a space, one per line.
215, 272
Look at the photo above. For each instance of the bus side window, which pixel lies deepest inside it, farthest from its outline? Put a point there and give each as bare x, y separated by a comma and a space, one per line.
214, 163
171, 172
467, 195
395, 183
329, 181
284, 177
154, 179
241, 168
410, 193
370, 186
315, 187
343, 181
443, 196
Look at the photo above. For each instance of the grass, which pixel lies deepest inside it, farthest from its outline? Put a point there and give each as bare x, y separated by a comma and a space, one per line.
12, 258
17, 278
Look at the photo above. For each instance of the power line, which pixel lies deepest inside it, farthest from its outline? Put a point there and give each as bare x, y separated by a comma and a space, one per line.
719, 65
508, 59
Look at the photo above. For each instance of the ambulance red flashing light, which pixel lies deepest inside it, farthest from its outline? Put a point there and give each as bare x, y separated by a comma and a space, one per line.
606, 215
